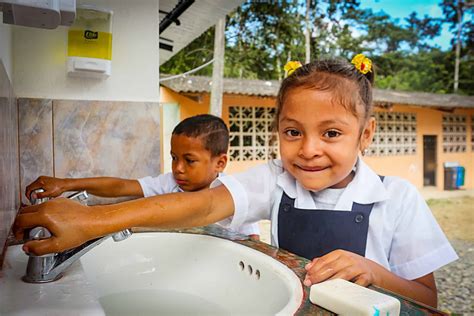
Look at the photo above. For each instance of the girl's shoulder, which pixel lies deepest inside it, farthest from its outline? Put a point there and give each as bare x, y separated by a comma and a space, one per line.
402, 192
397, 183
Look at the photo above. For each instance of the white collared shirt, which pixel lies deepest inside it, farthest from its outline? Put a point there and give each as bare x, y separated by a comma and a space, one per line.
403, 235
165, 183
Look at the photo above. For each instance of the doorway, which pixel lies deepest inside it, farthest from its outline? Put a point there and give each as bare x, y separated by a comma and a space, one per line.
429, 160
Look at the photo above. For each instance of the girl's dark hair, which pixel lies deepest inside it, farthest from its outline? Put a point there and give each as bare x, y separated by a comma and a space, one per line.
212, 130
349, 86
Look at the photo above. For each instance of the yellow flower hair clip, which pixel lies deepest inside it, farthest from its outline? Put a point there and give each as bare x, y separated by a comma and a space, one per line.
291, 66
362, 63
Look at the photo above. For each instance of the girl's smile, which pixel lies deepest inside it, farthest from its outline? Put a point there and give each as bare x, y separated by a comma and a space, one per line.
311, 169
319, 139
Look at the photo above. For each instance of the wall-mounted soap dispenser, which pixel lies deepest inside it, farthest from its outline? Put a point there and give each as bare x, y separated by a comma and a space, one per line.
90, 43
44, 14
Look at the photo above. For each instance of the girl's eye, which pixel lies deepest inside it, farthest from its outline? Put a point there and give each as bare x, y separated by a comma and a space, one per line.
190, 161
332, 134
292, 133
173, 157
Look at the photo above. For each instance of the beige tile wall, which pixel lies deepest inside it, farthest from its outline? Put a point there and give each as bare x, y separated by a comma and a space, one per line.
73, 139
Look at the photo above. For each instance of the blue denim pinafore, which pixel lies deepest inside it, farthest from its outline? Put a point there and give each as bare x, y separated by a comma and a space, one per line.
314, 233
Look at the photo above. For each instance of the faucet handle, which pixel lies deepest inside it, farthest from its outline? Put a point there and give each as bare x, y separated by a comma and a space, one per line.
122, 235
38, 233
80, 196
36, 201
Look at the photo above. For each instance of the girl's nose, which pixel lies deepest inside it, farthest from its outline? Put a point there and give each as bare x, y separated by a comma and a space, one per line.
310, 147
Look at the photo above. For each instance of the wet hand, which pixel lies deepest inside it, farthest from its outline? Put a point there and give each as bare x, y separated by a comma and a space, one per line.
340, 264
52, 187
68, 221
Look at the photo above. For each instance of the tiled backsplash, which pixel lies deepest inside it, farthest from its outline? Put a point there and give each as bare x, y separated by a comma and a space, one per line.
67, 138
36, 141
9, 170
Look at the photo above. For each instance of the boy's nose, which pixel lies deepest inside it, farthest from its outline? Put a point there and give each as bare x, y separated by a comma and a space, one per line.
179, 167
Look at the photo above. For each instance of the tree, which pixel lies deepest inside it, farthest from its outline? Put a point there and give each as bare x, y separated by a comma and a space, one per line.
261, 37
454, 11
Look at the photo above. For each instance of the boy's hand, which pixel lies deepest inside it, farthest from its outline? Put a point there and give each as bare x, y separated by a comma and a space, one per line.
52, 187
68, 221
340, 264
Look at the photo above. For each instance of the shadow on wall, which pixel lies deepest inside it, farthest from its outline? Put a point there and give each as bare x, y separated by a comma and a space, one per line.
9, 169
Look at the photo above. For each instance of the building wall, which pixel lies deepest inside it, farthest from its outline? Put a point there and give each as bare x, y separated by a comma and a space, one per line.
40, 56
9, 167
52, 124
6, 48
428, 122
410, 167
9, 174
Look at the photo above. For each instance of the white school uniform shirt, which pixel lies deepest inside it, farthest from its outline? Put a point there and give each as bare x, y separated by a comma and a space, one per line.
165, 183
403, 235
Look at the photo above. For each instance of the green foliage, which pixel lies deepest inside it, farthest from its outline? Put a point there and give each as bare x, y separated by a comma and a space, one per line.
261, 36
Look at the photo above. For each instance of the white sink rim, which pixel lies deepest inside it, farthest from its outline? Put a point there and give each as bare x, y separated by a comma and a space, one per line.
286, 285
82, 294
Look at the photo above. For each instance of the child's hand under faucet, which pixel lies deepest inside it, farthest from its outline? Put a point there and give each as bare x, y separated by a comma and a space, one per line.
63, 217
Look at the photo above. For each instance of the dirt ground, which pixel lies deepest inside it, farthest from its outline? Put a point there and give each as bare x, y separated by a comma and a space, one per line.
455, 216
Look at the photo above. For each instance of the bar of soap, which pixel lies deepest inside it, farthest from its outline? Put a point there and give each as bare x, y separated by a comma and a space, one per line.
346, 298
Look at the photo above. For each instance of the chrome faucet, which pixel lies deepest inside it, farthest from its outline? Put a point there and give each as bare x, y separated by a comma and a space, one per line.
50, 267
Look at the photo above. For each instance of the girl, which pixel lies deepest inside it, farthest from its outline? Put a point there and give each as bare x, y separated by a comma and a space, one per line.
325, 203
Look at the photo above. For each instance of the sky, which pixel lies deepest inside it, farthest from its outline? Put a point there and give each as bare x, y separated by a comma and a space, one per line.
402, 8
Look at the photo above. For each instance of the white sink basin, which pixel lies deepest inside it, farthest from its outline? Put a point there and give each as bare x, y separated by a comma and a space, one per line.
164, 274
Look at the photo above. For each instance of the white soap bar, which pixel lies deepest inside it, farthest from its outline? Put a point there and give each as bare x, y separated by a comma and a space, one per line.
346, 298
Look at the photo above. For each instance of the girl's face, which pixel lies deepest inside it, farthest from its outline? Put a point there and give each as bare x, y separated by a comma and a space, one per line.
319, 139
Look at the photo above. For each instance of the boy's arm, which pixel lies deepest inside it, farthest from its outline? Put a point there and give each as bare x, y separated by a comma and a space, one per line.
100, 186
107, 186
72, 224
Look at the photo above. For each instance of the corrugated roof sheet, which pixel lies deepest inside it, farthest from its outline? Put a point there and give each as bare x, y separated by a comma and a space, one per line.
269, 88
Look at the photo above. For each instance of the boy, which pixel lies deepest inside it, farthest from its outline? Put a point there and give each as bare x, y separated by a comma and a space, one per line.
199, 155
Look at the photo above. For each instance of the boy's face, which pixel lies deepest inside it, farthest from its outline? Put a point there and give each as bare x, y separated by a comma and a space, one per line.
319, 139
193, 166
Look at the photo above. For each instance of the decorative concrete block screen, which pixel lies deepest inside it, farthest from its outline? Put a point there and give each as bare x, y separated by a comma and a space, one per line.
454, 133
251, 133
472, 133
395, 134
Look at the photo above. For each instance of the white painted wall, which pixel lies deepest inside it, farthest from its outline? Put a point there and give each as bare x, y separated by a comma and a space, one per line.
39, 63
6, 47
170, 118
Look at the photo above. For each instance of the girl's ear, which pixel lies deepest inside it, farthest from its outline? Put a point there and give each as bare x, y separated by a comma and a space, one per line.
367, 134
221, 162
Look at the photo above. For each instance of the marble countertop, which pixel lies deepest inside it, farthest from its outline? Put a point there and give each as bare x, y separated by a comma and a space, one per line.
294, 262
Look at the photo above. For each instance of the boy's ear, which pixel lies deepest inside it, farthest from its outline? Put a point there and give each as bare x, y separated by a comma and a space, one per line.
367, 134
221, 162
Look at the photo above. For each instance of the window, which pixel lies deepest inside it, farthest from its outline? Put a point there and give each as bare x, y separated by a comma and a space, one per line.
454, 133
472, 133
395, 134
251, 133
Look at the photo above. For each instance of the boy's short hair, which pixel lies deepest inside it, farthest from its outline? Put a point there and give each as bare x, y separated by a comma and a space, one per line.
212, 130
